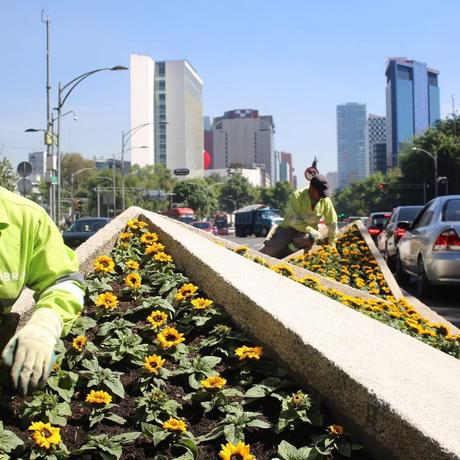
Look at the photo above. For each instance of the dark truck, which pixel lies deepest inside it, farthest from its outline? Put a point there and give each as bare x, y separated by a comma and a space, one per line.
255, 219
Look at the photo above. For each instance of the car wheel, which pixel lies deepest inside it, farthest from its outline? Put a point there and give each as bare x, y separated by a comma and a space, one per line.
400, 274
423, 284
263, 232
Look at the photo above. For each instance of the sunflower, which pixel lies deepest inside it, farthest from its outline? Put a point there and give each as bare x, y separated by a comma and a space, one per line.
78, 343
126, 236
157, 318
245, 352
169, 337
336, 430
45, 435
241, 250
201, 304
238, 451
153, 363
174, 424
149, 238
133, 281
98, 397
162, 257
104, 264
108, 300
132, 264
153, 248
185, 291
213, 382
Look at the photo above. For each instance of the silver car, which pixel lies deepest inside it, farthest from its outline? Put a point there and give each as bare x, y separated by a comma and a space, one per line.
430, 247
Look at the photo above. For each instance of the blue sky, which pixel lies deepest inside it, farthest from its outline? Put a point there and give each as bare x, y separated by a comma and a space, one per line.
292, 59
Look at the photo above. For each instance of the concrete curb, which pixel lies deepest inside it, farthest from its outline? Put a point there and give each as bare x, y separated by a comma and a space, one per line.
399, 394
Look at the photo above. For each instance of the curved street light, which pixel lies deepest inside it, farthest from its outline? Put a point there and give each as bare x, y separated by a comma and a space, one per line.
435, 159
62, 97
72, 177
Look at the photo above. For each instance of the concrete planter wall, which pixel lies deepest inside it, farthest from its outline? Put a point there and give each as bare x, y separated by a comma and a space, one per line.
400, 395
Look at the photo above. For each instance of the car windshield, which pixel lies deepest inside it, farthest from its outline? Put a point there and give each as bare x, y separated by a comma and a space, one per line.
202, 225
87, 226
451, 211
379, 220
409, 214
269, 214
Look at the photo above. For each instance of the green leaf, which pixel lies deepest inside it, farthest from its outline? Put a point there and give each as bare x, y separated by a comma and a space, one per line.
289, 452
155, 433
190, 445
260, 424
82, 324
114, 384
8, 441
126, 438
116, 419
344, 447
213, 434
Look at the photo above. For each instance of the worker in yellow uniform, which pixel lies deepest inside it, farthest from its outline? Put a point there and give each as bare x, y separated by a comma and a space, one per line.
303, 213
33, 255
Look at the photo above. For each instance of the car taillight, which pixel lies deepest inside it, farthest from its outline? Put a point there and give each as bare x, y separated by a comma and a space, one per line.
448, 240
399, 232
374, 231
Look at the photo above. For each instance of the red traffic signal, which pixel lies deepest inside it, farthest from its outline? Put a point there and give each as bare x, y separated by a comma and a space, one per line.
380, 186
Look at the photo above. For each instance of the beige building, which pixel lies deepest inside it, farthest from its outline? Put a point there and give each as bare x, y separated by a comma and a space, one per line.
166, 96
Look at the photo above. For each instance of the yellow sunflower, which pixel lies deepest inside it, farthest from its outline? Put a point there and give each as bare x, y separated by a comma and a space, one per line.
213, 382
201, 304
153, 363
238, 451
153, 248
78, 343
185, 291
108, 300
162, 257
245, 352
98, 397
126, 236
45, 435
174, 424
169, 337
132, 264
336, 430
133, 281
149, 238
157, 318
104, 264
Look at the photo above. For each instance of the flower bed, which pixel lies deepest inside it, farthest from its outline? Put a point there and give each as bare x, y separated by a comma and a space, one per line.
154, 369
352, 263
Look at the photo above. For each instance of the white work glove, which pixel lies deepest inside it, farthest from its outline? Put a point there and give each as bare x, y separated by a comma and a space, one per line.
30, 352
316, 235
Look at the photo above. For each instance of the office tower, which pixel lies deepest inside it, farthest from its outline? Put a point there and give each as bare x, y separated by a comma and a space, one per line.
167, 96
246, 138
377, 143
333, 181
412, 103
351, 143
208, 138
286, 167
38, 162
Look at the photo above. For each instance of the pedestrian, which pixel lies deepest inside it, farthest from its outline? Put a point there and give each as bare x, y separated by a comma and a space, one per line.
33, 255
299, 230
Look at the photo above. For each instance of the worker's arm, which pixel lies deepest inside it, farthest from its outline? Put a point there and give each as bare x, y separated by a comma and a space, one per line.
330, 220
294, 214
52, 272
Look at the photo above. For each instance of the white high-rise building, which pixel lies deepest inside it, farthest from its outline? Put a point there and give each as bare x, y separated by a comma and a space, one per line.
166, 95
377, 140
38, 162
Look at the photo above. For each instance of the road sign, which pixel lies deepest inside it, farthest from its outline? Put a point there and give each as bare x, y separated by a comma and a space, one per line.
310, 172
24, 169
24, 186
54, 180
181, 172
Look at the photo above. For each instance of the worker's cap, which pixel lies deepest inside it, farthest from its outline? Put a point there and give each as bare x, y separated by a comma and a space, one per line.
320, 184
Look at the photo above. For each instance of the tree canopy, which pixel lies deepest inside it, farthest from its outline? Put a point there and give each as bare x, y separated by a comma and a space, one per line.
8, 177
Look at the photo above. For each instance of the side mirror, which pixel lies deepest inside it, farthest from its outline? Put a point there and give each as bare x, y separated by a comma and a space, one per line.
403, 225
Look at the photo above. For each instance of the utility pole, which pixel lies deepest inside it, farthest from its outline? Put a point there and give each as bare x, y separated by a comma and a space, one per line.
453, 115
49, 141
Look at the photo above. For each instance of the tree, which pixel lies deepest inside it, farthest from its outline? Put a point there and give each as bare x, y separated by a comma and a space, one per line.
237, 192
71, 162
277, 196
8, 177
196, 194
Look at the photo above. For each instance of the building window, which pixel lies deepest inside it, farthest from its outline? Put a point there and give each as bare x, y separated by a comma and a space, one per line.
404, 73
160, 69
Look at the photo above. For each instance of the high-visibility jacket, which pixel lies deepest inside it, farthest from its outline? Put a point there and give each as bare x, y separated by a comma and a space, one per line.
300, 215
33, 255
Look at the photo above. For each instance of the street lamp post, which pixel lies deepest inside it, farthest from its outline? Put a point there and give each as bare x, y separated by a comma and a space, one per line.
435, 159
445, 180
62, 97
72, 178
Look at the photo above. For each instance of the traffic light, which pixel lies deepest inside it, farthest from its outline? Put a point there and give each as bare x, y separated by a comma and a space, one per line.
341, 215
380, 186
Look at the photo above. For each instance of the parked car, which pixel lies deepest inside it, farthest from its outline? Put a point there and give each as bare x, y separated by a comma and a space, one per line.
205, 226
82, 229
430, 247
388, 239
376, 222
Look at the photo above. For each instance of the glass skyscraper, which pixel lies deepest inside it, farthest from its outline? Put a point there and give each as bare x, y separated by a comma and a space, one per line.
353, 161
412, 102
